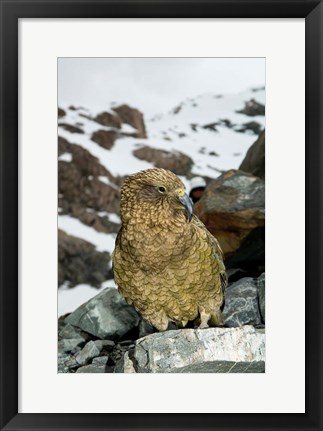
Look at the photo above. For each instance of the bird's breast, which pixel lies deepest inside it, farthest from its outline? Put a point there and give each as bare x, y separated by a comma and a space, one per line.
155, 247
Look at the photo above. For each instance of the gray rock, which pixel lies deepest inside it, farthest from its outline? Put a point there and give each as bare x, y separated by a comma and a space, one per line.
125, 365
92, 368
107, 315
101, 344
261, 295
68, 331
101, 360
212, 350
241, 303
88, 352
145, 328
223, 367
62, 361
70, 345
72, 364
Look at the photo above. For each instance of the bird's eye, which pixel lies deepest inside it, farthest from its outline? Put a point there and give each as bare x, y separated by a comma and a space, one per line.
161, 189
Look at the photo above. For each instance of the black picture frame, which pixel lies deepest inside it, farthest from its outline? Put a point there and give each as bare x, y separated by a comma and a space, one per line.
11, 11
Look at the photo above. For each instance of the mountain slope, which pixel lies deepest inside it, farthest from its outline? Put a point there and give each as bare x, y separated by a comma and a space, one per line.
210, 133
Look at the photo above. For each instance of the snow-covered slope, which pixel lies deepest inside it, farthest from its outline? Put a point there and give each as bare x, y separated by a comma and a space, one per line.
208, 124
207, 128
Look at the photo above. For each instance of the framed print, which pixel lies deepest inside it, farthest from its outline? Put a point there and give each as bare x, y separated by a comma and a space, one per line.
47, 50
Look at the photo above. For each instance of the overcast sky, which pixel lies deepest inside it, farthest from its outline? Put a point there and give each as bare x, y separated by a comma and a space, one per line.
152, 85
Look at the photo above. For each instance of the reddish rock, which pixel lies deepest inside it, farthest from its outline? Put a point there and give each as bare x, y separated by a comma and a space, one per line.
133, 117
85, 191
80, 262
88, 164
108, 119
174, 161
78, 182
254, 162
61, 113
232, 207
70, 128
99, 223
105, 138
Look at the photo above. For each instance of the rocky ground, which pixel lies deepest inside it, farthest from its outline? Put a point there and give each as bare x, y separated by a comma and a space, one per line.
106, 335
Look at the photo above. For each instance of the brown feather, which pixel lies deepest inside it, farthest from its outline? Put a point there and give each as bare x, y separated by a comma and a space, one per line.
167, 267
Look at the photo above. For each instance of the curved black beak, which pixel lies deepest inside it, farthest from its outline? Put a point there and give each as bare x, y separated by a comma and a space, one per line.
186, 201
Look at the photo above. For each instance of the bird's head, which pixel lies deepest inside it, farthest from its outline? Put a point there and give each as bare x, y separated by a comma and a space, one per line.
159, 190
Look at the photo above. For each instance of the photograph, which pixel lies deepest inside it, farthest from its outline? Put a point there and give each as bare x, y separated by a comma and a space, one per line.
161, 214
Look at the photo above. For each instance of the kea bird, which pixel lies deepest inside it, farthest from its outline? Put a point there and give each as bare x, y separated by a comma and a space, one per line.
165, 262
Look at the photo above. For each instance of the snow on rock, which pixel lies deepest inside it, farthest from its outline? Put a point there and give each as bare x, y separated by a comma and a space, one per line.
119, 160
72, 226
205, 128
111, 216
65, 157
126, 128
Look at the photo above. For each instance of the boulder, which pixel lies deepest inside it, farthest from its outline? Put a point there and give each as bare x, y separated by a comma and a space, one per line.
133, 117
70, 345
233, 209
100, 223
85, 191
80, 262
92, 368
252, 108
98, 365
212, 350
104, 344
87, 163
251, 127
105, 138
79, 182
261, 296
89, 351
174, 161
106, 316
70, 332
70, 128
61, 113
254, 162
100, 360
241, 303
250, 257
109, 119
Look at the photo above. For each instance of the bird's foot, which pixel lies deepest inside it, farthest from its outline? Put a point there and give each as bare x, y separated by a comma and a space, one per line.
204, 318
203, 326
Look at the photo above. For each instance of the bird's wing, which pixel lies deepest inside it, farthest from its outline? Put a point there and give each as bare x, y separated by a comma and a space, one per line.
218, 253
116, 245
224, 280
